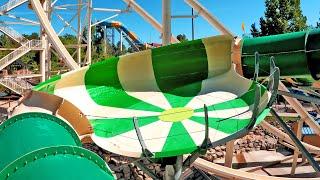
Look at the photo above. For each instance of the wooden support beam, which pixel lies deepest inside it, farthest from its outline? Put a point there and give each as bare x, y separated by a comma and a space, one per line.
236, 55
228, 173
283, 136
297, 142
296, 150
229, 154
297, 106
316, 108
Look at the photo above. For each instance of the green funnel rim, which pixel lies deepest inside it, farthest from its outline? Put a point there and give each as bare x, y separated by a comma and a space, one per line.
33, 156
55, 119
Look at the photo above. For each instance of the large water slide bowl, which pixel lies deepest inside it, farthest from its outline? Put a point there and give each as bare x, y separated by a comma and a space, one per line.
165, 91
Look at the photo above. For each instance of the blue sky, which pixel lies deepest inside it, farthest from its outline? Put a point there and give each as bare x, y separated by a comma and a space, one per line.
231, 12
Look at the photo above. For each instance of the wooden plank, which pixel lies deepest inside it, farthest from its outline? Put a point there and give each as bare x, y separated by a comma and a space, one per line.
229, 154
297, 106
296, 150
229, 173
283, 136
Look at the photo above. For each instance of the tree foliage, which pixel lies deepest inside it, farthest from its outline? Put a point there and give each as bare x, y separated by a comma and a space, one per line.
254, 31
182, 37
100, 50
318, 24
280, 16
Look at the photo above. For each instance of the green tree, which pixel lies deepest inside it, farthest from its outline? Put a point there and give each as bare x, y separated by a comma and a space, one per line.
298, 21
280, 16
254, 31
182, 37
33, 35
318, 24
118, 51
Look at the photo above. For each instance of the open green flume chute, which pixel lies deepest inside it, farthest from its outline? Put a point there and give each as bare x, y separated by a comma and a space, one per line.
165, 90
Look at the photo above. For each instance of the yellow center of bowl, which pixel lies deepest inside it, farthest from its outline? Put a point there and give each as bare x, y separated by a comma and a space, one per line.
176, 114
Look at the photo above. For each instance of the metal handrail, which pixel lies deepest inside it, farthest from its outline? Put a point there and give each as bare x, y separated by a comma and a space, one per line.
10, 5
16, 88
17, 85
14, 55
12, 33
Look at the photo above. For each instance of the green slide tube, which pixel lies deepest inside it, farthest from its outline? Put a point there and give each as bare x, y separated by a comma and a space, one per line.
42, 146
296, 54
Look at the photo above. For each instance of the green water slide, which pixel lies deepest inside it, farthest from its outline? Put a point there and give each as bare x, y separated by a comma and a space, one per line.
296, 54
166, 101
160, 103
41, 146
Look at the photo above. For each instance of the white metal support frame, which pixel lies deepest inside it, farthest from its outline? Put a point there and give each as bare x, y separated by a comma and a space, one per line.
79, 33
67, 23
52, 35
89, 43
44, 39
209, 17
25, 20
145, 15
166, 22
11, 5
121, 40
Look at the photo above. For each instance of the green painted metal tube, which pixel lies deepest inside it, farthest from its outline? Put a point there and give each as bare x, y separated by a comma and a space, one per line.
60, 162
296, 54
24, 133
38, 145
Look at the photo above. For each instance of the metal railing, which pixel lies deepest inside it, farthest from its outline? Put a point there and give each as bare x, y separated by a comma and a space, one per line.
12, 33
16, 54
16, 84
10, 5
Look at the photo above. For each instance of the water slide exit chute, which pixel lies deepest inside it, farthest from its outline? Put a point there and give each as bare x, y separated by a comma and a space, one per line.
41, 146
133, 39
154, 99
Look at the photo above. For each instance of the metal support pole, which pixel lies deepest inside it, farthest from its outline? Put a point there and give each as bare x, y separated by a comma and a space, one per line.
121, 41
129, 41
166, 22
79, 33
300, 97
42, 59
54, 39
297, 142
204, 175
192, 23
174, 171
133, 4
209, 17
45, 44
104, 39
178, 167
89, 43
49, 44
205, 144
146, 170
112, 36
145, 151
296, 150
